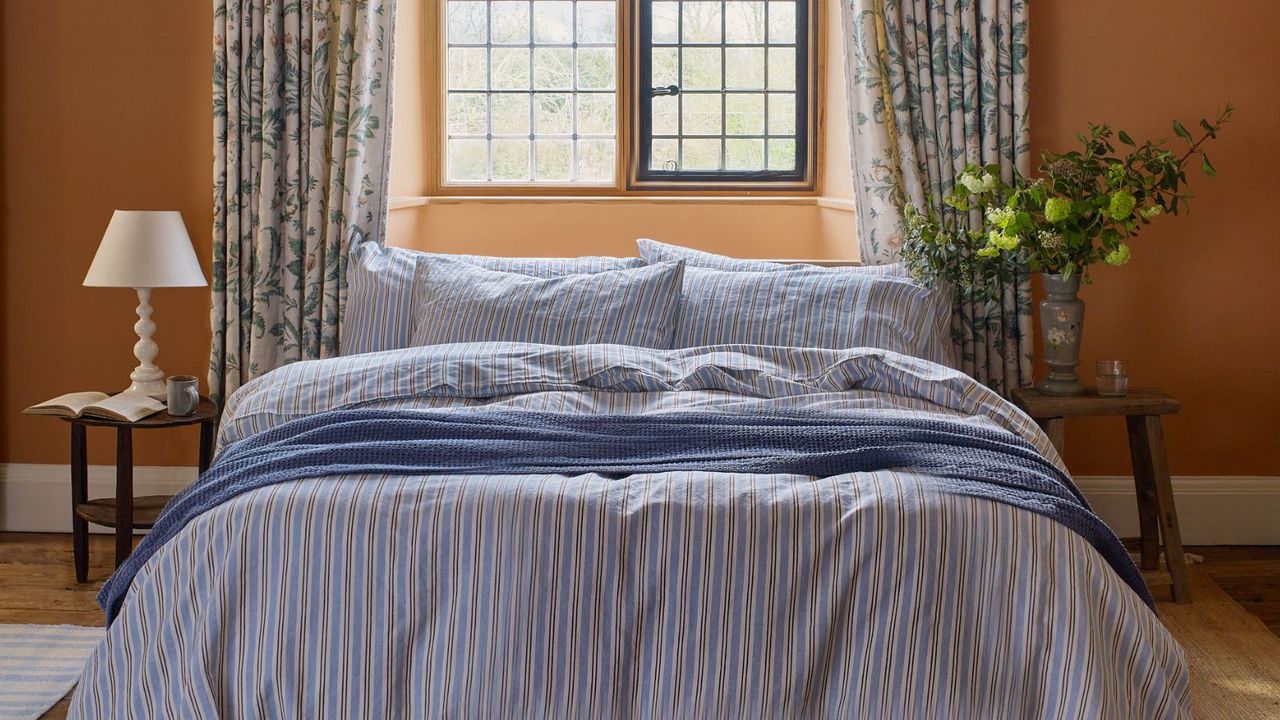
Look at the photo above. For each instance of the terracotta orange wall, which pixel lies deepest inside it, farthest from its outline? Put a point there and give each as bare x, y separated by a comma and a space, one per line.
105, 106
1197, 310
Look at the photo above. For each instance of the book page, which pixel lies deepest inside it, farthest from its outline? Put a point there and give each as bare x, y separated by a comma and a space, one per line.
126, 406
69, 404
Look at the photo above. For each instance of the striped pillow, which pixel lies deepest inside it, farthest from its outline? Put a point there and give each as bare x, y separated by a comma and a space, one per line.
459, 302
379, 313
815, 308
654, 251
379, 310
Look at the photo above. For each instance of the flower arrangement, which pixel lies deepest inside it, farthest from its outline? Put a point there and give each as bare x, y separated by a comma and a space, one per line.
1081, 210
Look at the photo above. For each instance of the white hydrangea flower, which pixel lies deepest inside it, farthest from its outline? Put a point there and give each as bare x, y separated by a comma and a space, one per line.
972, 182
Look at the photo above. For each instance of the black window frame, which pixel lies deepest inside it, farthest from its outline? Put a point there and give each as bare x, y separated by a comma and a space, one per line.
805, 125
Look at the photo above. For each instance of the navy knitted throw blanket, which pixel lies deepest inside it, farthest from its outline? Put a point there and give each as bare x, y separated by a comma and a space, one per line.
970, 460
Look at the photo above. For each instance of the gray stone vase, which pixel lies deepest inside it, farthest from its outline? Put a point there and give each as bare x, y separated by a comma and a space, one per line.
1061, 327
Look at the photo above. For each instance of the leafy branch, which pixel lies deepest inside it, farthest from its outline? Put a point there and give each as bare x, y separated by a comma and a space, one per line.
1078, 210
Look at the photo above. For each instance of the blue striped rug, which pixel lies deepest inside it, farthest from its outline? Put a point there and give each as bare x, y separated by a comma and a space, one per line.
39, 664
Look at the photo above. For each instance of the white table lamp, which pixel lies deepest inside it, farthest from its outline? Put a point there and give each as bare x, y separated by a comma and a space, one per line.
145, 249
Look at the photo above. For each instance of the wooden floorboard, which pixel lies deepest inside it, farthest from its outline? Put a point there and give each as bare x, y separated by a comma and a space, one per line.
1234, 657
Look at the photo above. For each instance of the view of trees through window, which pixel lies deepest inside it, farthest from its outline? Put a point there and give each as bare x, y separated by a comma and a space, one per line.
735, 66
531, 90
533, 96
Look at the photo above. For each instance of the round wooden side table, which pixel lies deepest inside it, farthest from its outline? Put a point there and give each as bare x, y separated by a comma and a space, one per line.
124, 512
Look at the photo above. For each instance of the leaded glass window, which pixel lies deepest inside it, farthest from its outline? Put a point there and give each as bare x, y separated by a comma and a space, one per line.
531, 91
723, 91
711, 94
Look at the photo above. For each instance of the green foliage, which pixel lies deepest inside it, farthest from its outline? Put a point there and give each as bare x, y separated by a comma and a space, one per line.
1079, 211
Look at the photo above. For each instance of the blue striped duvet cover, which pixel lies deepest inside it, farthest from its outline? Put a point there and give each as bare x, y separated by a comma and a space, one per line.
676, 594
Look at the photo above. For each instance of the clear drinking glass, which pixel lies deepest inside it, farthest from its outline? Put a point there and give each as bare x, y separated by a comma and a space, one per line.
1113, 377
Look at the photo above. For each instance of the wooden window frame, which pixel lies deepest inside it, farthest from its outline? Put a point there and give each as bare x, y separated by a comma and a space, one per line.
626, 181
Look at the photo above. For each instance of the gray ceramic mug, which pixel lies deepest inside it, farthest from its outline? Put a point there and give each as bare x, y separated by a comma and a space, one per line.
184, 395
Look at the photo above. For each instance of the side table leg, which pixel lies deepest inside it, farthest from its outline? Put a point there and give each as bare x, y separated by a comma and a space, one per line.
1151, 474
79, 494
207, 430
1144, 486
124, 493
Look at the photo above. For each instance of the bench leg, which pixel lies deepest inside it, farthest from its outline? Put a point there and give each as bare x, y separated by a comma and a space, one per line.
1144, 486
1155, 497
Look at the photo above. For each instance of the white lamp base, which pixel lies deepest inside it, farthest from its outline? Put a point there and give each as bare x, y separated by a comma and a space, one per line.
147, 378
158, 389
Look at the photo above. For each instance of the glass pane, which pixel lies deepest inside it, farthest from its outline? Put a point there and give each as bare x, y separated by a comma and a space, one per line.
511, 114
782, 22
595, 160
782, 68
468, 114
663, 67
510, 22
744, 114
553, 159
664, 155
467, 69
782, 154
701, 22
701, 155
595, 114
552, 114
596, 21
701, 114
665, 118
510, 69
553, 68
743, 154
701, 69
744, 22
595, 68
468, 160
744, 68
530, 89
511, 160
782, 114
666, 22
468, 22
553, 21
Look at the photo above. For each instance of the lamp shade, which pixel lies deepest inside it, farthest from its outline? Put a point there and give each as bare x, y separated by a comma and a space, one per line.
145, 249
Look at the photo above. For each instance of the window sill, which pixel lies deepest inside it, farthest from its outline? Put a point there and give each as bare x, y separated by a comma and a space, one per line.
413, 201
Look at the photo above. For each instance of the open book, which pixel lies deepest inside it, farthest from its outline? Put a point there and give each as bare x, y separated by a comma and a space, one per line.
125, 407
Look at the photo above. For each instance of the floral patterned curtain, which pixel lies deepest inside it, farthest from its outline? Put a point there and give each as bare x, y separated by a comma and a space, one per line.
934, 85
302, 115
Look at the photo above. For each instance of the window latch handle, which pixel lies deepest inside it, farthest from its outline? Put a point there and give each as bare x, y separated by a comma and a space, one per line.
668, 90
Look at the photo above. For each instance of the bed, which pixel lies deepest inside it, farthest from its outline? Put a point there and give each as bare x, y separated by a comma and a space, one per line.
685, 527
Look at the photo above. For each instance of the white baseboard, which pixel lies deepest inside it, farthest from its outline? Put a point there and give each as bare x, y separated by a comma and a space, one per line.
1212, 510
1229, 510
37, 498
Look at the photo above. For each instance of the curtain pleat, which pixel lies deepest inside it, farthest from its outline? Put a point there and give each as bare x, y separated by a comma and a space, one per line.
934, 85
302, 121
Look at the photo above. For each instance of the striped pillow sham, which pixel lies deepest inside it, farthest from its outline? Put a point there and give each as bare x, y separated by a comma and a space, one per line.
814, 308
379, 313
459, 302
872, 306
654, 251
